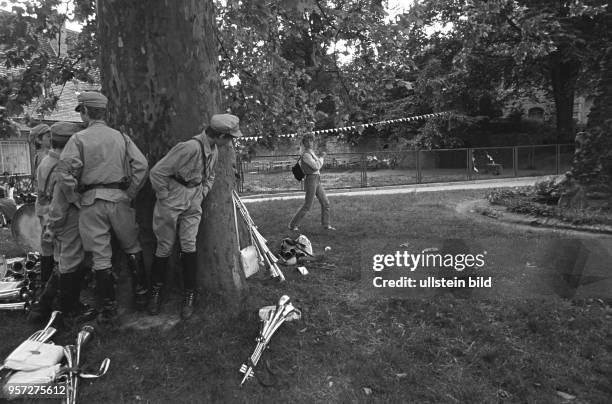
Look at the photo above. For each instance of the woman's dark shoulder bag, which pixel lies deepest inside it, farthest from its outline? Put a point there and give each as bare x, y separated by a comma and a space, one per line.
298, 173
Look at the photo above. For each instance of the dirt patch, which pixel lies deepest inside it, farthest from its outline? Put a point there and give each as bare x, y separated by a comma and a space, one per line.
163, 322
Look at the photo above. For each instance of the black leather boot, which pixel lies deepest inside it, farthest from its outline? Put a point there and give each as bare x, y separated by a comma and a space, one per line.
68, 296
41, 309
140, 285
106, 297
190, 268
189, 302
158, 278
86, 276
46, 268
69, 299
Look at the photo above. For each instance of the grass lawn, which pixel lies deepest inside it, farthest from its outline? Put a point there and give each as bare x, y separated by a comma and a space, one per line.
542, 333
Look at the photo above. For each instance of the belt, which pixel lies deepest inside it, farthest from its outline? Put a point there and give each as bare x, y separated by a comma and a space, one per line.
183, 182
123, 185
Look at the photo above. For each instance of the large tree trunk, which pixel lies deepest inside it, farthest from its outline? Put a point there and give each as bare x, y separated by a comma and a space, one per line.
591, 179
602, 105
222, 271
564, 74
159, 70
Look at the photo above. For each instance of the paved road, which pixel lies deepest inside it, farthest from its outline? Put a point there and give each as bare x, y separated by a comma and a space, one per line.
404, 189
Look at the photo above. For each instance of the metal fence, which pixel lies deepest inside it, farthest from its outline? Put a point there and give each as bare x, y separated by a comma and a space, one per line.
267, 174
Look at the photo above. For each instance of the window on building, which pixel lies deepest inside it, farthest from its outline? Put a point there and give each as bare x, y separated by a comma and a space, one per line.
536, 114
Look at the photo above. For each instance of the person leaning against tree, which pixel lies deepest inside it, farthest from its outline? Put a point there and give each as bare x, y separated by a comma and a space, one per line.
311, 165
109, 170
181, 181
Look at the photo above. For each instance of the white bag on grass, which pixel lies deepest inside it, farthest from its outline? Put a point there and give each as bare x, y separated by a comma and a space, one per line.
249, 260
32, 355
38, 376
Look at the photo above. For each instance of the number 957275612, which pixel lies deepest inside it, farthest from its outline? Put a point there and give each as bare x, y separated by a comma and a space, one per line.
11, 390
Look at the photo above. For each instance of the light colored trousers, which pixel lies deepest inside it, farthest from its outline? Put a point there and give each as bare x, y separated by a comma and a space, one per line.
95, 224
67, 246
313, 187
172, 216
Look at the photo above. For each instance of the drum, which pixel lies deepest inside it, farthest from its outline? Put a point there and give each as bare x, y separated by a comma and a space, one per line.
26, 228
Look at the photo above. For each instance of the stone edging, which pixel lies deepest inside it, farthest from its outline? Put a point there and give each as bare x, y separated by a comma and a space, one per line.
484, 209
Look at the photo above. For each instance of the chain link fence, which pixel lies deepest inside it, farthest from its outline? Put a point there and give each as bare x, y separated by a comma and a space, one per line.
268, 174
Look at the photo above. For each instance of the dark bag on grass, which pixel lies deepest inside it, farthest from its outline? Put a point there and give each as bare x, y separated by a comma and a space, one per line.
298, 173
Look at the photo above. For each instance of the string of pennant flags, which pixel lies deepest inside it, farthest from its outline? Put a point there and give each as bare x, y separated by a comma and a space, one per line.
358, 127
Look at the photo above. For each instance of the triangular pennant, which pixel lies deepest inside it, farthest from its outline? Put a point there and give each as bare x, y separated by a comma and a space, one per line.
361, 127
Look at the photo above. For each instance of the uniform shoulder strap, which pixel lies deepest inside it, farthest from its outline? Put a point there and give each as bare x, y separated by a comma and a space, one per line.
202, 150
48, 177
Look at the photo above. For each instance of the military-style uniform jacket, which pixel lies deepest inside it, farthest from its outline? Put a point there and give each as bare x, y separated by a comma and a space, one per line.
39, 157
187, 169
45, 182
59, 209
106, 164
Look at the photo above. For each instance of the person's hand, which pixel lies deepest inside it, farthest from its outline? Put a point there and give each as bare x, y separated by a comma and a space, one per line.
323, 154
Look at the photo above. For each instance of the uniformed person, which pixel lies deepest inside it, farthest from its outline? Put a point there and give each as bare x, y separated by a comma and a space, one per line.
109, 171
40, 135
181, 181
44, 167
62, 228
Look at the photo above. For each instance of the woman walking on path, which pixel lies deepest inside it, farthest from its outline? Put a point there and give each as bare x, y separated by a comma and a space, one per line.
311, 165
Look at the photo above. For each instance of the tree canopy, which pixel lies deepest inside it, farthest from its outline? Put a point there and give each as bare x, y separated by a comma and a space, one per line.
292, 66
35, 57
523, 45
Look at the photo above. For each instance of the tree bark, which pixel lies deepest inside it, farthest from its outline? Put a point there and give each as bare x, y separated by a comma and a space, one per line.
564, 74
217, 242
591, 174
159, 70
602, 105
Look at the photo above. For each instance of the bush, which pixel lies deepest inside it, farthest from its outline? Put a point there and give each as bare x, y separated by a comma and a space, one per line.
549, 191
593, 158
500, 196
526, 201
